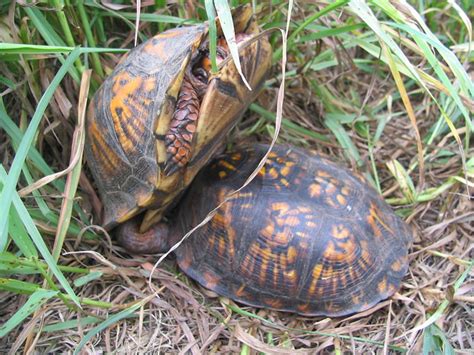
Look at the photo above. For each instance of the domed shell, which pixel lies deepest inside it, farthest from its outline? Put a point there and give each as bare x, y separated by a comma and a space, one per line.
130, 115
305, 236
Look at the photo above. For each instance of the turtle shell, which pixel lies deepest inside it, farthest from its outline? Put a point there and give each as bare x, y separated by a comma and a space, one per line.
130, 115
305, 236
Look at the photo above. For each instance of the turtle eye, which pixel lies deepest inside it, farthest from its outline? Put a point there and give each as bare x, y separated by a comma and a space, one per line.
201, 74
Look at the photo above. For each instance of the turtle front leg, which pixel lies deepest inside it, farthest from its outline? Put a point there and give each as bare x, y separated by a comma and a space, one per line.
182, 127
183, 124
154, 240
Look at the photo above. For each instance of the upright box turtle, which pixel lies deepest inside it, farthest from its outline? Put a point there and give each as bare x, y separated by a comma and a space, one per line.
161, 115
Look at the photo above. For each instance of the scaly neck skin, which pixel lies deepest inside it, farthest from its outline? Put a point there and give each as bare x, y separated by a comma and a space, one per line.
155, 240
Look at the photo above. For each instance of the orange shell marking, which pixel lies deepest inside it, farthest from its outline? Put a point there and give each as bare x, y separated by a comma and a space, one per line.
126, 106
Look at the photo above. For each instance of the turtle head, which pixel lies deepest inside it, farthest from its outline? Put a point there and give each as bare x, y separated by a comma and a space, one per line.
154, 240
227, 96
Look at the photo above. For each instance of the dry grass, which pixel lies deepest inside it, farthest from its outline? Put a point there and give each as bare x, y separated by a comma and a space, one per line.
179, 316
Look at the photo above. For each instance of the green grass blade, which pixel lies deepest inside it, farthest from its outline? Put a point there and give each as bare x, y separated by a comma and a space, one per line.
445, 304
211, 16
154, 18
11, 263
53, 220
421, 39
344, 140
49, 35
291, 39
39, 242
107, 323
449, 57
44, 27
83, 280
227, 25
21, 154
27, 288
270, 116
16, 136
70, 324
323, 33
435, 342
17, 286
361, 9
90, 38
20, 236
35, 301
19, 48
403, 179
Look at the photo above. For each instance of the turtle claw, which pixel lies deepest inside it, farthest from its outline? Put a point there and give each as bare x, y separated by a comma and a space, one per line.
171, 167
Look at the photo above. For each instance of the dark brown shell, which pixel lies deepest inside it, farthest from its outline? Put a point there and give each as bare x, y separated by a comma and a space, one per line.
305, 236
131, 112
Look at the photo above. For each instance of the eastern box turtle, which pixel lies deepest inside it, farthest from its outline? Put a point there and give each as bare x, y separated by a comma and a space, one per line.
304, 236
161, 115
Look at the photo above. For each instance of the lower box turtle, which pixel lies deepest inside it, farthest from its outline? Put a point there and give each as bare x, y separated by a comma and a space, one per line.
305, 236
